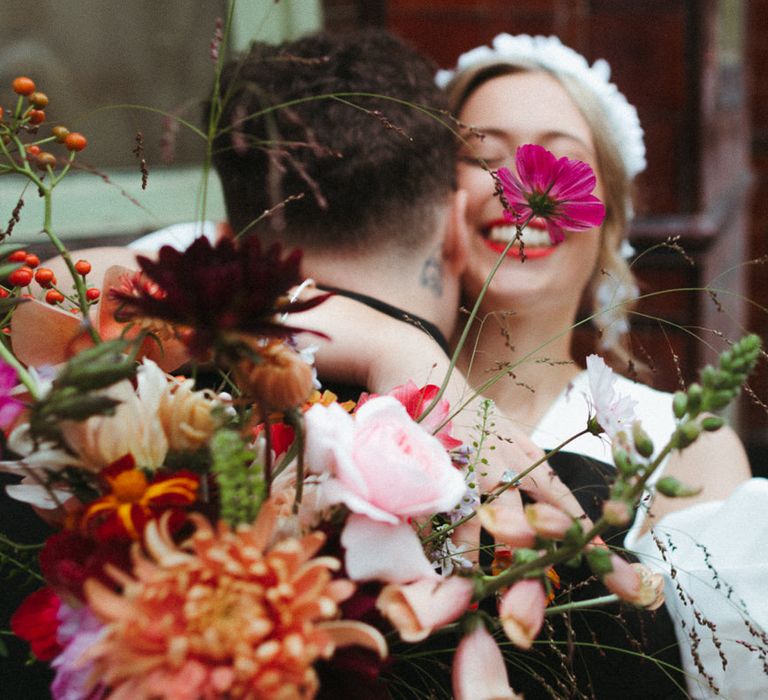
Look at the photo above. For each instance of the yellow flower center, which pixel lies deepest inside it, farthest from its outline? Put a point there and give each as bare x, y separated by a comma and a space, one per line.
129, 486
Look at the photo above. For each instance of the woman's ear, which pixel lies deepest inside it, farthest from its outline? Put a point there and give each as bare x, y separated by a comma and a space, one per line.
456, 240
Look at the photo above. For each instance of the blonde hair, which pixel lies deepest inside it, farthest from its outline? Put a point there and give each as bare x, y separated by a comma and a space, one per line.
611, 273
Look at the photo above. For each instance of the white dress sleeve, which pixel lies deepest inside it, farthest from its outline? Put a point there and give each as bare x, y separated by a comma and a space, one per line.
715, 560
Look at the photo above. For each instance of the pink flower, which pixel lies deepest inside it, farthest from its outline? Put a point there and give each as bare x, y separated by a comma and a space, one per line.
416, 400
548, 521
635, 583
386, 469
10, 408
559, 190
380, 463
420, 607
479, 672
522, 612
622, 580
510, 527
78, 630
614, 412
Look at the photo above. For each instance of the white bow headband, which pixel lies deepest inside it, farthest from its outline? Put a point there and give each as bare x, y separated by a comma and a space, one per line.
549, 53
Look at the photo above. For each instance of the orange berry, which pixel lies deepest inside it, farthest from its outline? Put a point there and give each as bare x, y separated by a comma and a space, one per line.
75, 141
54, 297
39, 99
23, 85
33, 150
44, 159
36, 116
2, 113
32, 261
21, 277
92, 294
44, 277
60, 133
18, 256
83, 267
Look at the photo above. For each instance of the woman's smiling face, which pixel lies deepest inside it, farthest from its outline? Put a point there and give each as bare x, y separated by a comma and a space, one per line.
510, 111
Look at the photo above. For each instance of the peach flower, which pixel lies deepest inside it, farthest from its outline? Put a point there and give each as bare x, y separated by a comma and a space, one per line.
42, 334
479, 672
418, 608
228, 615
522, 611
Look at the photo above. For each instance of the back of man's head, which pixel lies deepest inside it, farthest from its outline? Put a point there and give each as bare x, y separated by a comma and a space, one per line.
298, 119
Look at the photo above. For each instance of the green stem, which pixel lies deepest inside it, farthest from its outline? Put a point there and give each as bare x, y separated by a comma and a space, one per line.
24, 376
493, 495
468, 324
491, 584
578, 604
64, 253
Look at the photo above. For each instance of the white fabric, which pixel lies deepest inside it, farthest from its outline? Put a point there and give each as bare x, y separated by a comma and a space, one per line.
179, 236
717, 551
549, 53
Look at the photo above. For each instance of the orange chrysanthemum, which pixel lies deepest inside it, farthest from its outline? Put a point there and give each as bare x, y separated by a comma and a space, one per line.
227, 615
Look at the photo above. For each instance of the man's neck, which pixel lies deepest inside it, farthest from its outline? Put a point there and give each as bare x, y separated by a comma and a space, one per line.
417, 288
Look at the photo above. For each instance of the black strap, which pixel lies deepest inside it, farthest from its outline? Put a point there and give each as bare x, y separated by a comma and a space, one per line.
392, 311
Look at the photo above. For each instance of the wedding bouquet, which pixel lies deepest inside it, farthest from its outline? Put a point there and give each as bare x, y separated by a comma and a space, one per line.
229, 531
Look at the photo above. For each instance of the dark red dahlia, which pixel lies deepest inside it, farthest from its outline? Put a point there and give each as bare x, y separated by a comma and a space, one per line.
216, 290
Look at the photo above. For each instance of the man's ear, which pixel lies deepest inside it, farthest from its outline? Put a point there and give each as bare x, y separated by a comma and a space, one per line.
456, 241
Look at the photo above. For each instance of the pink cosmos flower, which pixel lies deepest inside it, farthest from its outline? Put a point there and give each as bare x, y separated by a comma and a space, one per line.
559, 190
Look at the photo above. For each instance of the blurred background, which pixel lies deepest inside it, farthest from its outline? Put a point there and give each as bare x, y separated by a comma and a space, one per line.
694, 68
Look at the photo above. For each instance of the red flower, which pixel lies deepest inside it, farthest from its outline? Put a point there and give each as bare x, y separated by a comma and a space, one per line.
133, 500
214, 290
68, 559
559, 190
415, 400
36, 621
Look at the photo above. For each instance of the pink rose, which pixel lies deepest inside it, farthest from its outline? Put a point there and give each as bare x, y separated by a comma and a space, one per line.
380, 462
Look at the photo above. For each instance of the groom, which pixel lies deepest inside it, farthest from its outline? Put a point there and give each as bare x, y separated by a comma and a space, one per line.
364, 185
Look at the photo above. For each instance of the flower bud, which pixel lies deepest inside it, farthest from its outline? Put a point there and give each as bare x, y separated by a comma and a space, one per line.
712, 423
622, 580
617, 512
643, 442
679, 404
623, 462
282, 380
671, 487
651, 596
521, 612
687, 434
695, 394
508, 527
549, 522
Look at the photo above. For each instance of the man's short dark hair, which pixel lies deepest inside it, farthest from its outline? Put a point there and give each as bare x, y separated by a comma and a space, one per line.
364, 167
